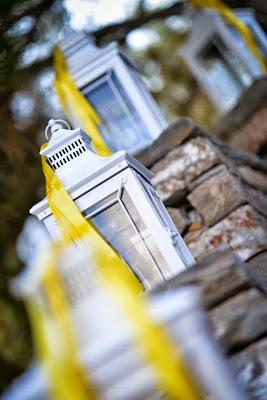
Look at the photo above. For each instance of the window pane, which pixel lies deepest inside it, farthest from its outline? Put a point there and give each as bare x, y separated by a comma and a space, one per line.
130, 238
144, 234
145, 92
111, 198
121, 125
168, 224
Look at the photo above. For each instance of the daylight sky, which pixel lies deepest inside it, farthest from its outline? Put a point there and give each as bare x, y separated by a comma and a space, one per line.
102, 12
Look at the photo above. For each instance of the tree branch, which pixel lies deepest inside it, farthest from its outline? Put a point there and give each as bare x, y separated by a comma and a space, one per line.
117, 30
35, 67
35, 11
123, 28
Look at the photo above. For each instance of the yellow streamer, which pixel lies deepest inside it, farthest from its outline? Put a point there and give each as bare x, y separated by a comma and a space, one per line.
73, 100
173, 376
243, 28
75, 227
68, 379
54, 337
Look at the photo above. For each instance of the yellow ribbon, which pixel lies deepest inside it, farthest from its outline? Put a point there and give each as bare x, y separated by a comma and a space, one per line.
173, 376
74, 226
243, 28
68, 379
54, 337
73, 101
54, 332
161, 354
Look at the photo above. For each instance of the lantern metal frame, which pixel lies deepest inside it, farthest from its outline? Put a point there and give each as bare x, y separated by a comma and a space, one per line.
206, 24
89, 63
92, 180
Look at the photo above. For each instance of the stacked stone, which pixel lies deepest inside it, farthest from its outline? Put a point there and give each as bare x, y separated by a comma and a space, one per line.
216, 194
217, 197
236, 302
245, 126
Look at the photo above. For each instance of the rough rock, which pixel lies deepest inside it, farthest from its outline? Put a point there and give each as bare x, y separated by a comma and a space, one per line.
252, 99
259, 264
236, 299
180, 166
253, 134
250, 367
243, 230
217, 196
220, 275
179, 218
240, 320
179, 131
253, 178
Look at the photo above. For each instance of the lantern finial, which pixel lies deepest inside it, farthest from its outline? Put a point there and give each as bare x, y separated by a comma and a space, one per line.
54, 126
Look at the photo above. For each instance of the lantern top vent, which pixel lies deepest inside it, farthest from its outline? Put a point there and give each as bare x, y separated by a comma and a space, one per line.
71, 155
68, 149
64, 144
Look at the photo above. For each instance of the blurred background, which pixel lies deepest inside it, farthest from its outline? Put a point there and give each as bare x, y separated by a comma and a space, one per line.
151, 31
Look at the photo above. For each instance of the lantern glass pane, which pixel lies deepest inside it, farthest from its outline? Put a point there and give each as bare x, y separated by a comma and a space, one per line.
145, 92
120, 124
168, 223
144, 233
122, 226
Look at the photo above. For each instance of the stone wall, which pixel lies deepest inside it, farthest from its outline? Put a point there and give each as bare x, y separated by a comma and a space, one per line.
246, 125
236, 303
216, 195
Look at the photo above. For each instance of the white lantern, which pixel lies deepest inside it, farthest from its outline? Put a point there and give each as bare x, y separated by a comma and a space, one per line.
130, 118
219, 57
116, 194
106, 345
